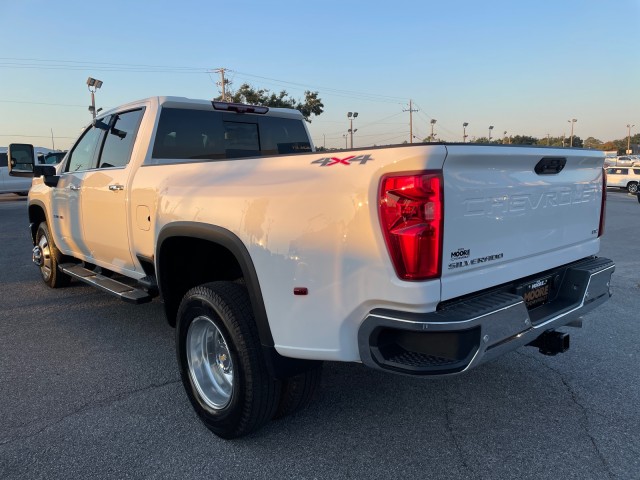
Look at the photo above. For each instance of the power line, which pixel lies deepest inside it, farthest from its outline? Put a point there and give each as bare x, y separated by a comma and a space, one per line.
42, 103
35, 136
334, 91
83, 64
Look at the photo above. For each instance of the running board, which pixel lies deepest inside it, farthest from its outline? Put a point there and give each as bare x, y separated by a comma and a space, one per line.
122, 290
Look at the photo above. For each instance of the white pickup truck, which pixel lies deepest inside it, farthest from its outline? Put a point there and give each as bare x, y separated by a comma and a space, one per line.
270, 257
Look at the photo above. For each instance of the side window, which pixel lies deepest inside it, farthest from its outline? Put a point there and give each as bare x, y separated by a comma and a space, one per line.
3, 160
82, 156
120, 137
636, 171
189, 134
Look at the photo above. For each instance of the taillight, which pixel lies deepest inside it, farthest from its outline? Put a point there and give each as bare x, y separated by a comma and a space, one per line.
603, 208
411, 215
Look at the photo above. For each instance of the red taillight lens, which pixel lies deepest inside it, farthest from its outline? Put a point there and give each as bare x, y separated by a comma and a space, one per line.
603, 209
411, 209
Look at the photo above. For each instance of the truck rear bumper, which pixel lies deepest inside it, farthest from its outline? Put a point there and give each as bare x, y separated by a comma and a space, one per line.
468, 332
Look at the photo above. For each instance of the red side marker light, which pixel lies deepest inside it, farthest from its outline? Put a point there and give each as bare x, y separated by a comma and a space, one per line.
300, 291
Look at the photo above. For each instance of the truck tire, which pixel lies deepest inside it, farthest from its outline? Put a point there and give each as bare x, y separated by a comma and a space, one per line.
221, 362
47, 256
299, 391
632, 187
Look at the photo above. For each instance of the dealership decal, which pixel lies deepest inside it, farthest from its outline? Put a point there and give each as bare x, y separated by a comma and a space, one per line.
460, 254
331, 161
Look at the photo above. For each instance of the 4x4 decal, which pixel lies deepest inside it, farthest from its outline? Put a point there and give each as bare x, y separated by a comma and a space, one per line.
331, 161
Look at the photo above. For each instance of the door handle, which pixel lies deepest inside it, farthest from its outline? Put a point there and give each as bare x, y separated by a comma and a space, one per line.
74, 188
116, 187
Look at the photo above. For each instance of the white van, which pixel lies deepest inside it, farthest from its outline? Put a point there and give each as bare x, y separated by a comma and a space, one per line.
624, 177
8, 184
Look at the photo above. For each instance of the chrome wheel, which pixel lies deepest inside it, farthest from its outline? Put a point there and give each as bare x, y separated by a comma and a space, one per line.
210, 363
42, 257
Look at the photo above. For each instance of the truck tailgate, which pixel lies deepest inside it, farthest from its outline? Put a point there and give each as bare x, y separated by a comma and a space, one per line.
516, 211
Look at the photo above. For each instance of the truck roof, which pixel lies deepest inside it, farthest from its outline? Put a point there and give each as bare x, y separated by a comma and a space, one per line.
197, 104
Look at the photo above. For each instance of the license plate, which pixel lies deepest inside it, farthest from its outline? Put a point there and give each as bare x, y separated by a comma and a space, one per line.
536, 293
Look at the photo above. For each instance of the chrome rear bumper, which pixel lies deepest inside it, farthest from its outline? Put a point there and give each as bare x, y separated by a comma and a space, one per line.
471, 331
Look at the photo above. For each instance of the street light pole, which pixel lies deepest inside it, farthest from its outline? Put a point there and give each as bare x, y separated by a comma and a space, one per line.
504, 136
433, 122
490, 128
351, 116
572, 121
629, 127
94, 84
464, 132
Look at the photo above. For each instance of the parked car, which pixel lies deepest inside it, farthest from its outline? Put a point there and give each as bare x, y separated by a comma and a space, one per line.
9, 184
623, 177
624, 161
51, 158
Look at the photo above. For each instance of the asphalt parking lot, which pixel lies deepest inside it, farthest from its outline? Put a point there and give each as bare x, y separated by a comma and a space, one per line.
89, 388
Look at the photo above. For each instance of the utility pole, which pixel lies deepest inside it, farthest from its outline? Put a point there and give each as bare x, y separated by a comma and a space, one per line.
222, 83
629, 127
548, 139
53, 145
411, 110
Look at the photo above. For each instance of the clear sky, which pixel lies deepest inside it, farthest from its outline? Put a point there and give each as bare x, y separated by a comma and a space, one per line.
525, 67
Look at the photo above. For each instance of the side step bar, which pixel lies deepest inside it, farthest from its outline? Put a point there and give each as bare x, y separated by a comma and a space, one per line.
123, 291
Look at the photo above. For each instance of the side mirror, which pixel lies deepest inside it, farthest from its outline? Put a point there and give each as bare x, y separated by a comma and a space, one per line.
49, 173
21, 160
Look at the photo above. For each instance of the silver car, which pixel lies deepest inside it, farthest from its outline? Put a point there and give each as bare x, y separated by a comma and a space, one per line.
9, 184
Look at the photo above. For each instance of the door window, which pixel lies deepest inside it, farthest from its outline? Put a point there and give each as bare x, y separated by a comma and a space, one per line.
83, 154
120, 137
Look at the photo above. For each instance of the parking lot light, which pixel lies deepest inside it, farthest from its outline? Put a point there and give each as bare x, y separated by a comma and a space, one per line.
93, 84
572, 122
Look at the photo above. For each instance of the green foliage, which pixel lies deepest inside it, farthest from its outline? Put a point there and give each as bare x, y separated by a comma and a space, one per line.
523, 140
592, 142
312, 104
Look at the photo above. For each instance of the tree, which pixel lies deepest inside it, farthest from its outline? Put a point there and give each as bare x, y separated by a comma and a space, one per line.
592, 142
577, 141
523, 140
312, 104
553, 141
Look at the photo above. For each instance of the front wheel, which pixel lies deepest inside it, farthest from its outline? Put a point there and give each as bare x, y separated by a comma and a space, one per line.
632, 187
47, 256
221, 362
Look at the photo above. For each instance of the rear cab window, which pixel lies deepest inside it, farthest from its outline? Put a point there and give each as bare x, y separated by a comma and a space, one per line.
189, 134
